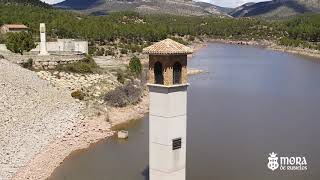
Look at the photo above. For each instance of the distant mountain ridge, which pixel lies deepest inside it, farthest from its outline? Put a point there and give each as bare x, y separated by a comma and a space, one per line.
37, 3
178, 7
277, 8
79, 4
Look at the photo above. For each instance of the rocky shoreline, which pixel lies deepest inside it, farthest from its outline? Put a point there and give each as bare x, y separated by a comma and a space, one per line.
96, 120
86, 132
295, 50
272, 46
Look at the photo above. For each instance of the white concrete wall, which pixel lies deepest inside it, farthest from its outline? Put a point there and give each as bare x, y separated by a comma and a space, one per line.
168, 121
69, 45
55, 46
60, 46
82, 46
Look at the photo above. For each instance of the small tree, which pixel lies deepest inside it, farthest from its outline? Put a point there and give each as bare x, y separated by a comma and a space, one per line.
135, 66
2, 40
20, 42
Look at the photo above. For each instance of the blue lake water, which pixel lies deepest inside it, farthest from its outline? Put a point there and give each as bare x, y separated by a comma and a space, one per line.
251, 102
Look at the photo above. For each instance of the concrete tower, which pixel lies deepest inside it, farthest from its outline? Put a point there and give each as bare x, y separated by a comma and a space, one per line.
167, 81
43, 41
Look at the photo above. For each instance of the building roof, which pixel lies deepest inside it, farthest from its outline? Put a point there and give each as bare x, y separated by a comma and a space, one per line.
15, 26
167, 47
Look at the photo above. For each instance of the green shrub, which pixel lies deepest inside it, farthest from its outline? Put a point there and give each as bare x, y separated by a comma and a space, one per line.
2, 39
28, 64
134, 48
86, 65
78, 67
109, 52
135, 66
78, 95
92, 50
20, 42
124, 95
124, 51
120, 77
179, 40
100, 52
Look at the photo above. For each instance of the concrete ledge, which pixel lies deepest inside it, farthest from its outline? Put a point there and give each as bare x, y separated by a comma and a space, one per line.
159, 88
165, 86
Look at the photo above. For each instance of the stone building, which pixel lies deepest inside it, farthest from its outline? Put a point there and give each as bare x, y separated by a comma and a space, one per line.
167, 81
63, 46
6, 28
68, 45
167, 59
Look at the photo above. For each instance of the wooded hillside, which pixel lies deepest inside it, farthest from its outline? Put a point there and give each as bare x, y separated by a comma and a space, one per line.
132, 27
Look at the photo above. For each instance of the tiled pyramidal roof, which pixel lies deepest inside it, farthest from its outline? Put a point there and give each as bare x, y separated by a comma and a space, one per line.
167, 47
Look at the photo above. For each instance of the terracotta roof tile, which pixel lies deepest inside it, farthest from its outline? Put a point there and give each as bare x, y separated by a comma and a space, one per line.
167, 47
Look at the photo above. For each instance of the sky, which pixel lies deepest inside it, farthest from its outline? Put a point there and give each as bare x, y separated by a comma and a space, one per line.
224, 3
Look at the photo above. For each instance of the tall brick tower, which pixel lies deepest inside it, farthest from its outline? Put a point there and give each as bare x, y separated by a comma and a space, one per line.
168, 82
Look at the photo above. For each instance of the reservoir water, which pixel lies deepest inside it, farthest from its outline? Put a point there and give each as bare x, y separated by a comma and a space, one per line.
251, 102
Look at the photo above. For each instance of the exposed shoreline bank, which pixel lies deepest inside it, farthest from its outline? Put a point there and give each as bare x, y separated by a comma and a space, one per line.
270, 45
86, 132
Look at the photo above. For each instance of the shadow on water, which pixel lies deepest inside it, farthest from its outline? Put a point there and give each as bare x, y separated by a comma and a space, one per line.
145, 173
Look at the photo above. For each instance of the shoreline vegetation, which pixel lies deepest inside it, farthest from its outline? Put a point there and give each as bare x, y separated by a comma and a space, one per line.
272, 46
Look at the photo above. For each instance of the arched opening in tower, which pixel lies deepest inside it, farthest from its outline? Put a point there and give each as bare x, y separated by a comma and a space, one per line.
177, 68
158, 73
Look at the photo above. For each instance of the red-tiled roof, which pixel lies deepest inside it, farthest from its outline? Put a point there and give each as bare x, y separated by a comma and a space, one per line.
167, 47
15, 26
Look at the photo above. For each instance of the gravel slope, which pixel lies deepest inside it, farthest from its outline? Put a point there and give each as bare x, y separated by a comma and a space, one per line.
32, 114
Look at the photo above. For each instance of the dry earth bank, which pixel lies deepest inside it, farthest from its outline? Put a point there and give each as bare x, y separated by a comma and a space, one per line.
32, 114
272, 46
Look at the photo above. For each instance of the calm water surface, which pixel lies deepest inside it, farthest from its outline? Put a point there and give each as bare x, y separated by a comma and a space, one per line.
251, 103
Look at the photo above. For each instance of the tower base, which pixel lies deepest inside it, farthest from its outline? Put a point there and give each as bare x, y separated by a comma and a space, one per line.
176, 175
